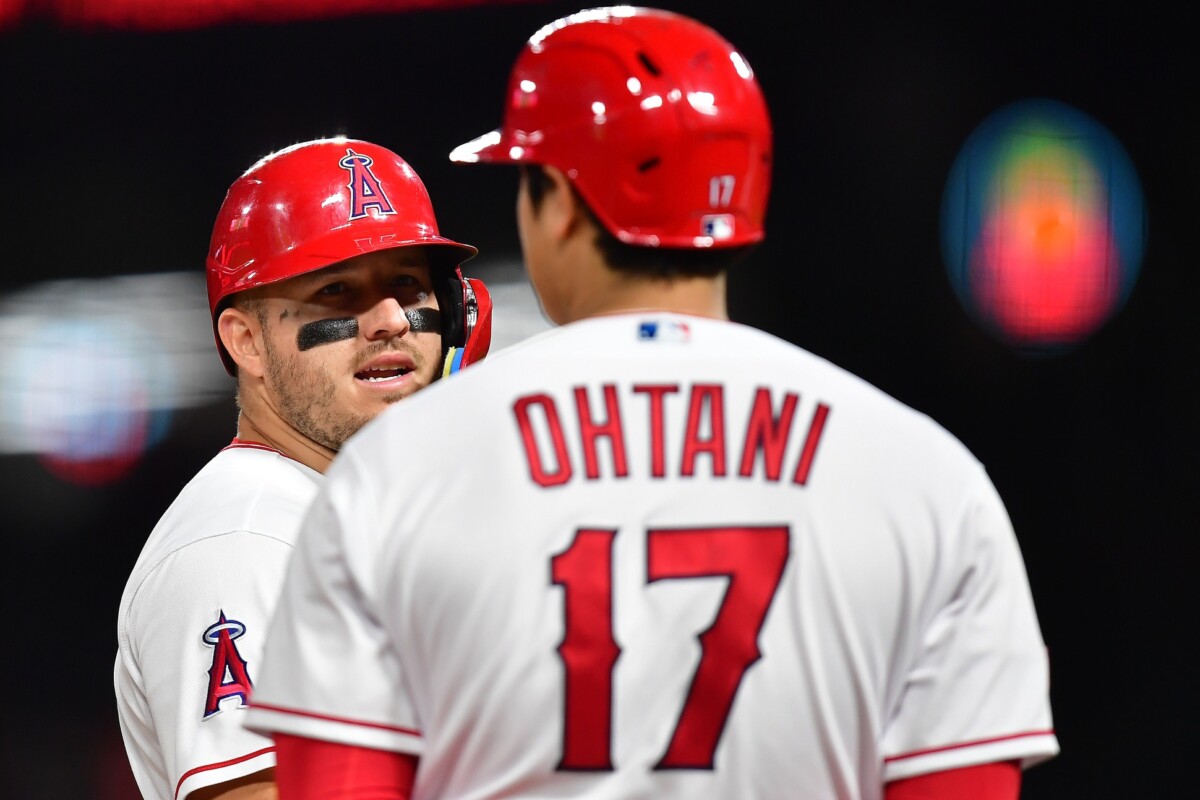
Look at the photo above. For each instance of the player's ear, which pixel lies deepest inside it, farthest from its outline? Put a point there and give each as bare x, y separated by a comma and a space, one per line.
242, 333
560, 205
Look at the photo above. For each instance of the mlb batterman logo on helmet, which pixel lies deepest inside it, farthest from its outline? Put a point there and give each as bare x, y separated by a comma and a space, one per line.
319, 202
668, 140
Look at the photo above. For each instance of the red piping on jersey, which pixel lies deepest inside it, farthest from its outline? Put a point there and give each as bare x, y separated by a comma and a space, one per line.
246, 444
236, 443
207, 767
975, 743
342, 720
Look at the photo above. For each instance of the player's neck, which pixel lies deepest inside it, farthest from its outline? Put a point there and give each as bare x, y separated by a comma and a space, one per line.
702, 297
271, 430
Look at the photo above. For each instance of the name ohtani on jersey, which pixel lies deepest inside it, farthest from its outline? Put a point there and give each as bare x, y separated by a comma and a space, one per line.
776, 432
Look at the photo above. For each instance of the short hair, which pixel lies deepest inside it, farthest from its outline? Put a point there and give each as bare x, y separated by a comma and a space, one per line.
641, 260
251, 301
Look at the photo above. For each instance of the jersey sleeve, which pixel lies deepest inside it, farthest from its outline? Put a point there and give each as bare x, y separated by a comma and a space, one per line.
312, 769
977, 690
994, 781
329, 670
199, 620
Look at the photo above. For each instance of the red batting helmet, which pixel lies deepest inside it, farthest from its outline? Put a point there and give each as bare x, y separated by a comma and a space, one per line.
319, 202
657, 120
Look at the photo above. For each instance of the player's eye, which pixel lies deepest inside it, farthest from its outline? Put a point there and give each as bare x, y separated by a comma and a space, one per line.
410, 289
405, 281
333, 289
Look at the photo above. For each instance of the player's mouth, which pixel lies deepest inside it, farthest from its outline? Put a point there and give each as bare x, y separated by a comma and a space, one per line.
381, 375
386, 372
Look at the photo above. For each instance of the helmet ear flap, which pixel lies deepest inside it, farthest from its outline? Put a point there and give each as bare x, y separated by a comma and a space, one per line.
466, 307
479, 321
449, 293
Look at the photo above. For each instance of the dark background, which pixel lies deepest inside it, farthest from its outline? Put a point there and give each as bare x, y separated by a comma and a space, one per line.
118, 147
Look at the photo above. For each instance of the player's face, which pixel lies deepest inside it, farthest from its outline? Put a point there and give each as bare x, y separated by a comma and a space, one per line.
344, 342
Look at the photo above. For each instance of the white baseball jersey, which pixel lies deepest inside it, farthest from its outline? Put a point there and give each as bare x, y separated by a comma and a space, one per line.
659, 556
193, 617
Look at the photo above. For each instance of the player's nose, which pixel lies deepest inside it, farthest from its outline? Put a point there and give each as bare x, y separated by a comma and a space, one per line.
385, 320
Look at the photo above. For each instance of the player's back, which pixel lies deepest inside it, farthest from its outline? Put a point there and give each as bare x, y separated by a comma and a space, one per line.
684, 559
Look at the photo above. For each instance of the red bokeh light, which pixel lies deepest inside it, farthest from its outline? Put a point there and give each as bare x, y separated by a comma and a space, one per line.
153, 15
1046, 270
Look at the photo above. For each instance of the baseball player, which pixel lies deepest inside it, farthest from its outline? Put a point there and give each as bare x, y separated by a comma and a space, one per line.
332, 296
672, 556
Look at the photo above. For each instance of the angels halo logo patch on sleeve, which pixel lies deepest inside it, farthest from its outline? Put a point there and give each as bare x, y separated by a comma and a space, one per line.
227, 677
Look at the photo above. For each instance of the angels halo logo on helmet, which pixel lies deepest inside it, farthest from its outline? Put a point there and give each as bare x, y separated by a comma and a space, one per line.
322, 201
365, 191
669, 140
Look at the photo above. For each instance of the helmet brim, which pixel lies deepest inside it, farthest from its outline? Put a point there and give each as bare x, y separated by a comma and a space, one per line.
442, 251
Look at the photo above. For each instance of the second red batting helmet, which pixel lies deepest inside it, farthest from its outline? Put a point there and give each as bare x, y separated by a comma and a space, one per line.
313, 204
657, 120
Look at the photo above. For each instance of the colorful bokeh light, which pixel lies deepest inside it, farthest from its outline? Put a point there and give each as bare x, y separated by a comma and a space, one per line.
1043, 226
93, 371
91, 414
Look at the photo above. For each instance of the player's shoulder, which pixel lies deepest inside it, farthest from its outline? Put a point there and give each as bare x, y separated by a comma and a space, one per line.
244, 488
240, 512
247, 481
874, 414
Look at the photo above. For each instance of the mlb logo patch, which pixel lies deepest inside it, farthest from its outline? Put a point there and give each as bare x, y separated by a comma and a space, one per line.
672, 331
718, 226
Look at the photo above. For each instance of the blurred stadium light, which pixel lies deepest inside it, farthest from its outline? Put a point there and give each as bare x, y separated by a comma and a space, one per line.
149, 15
92, 371
11, 11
